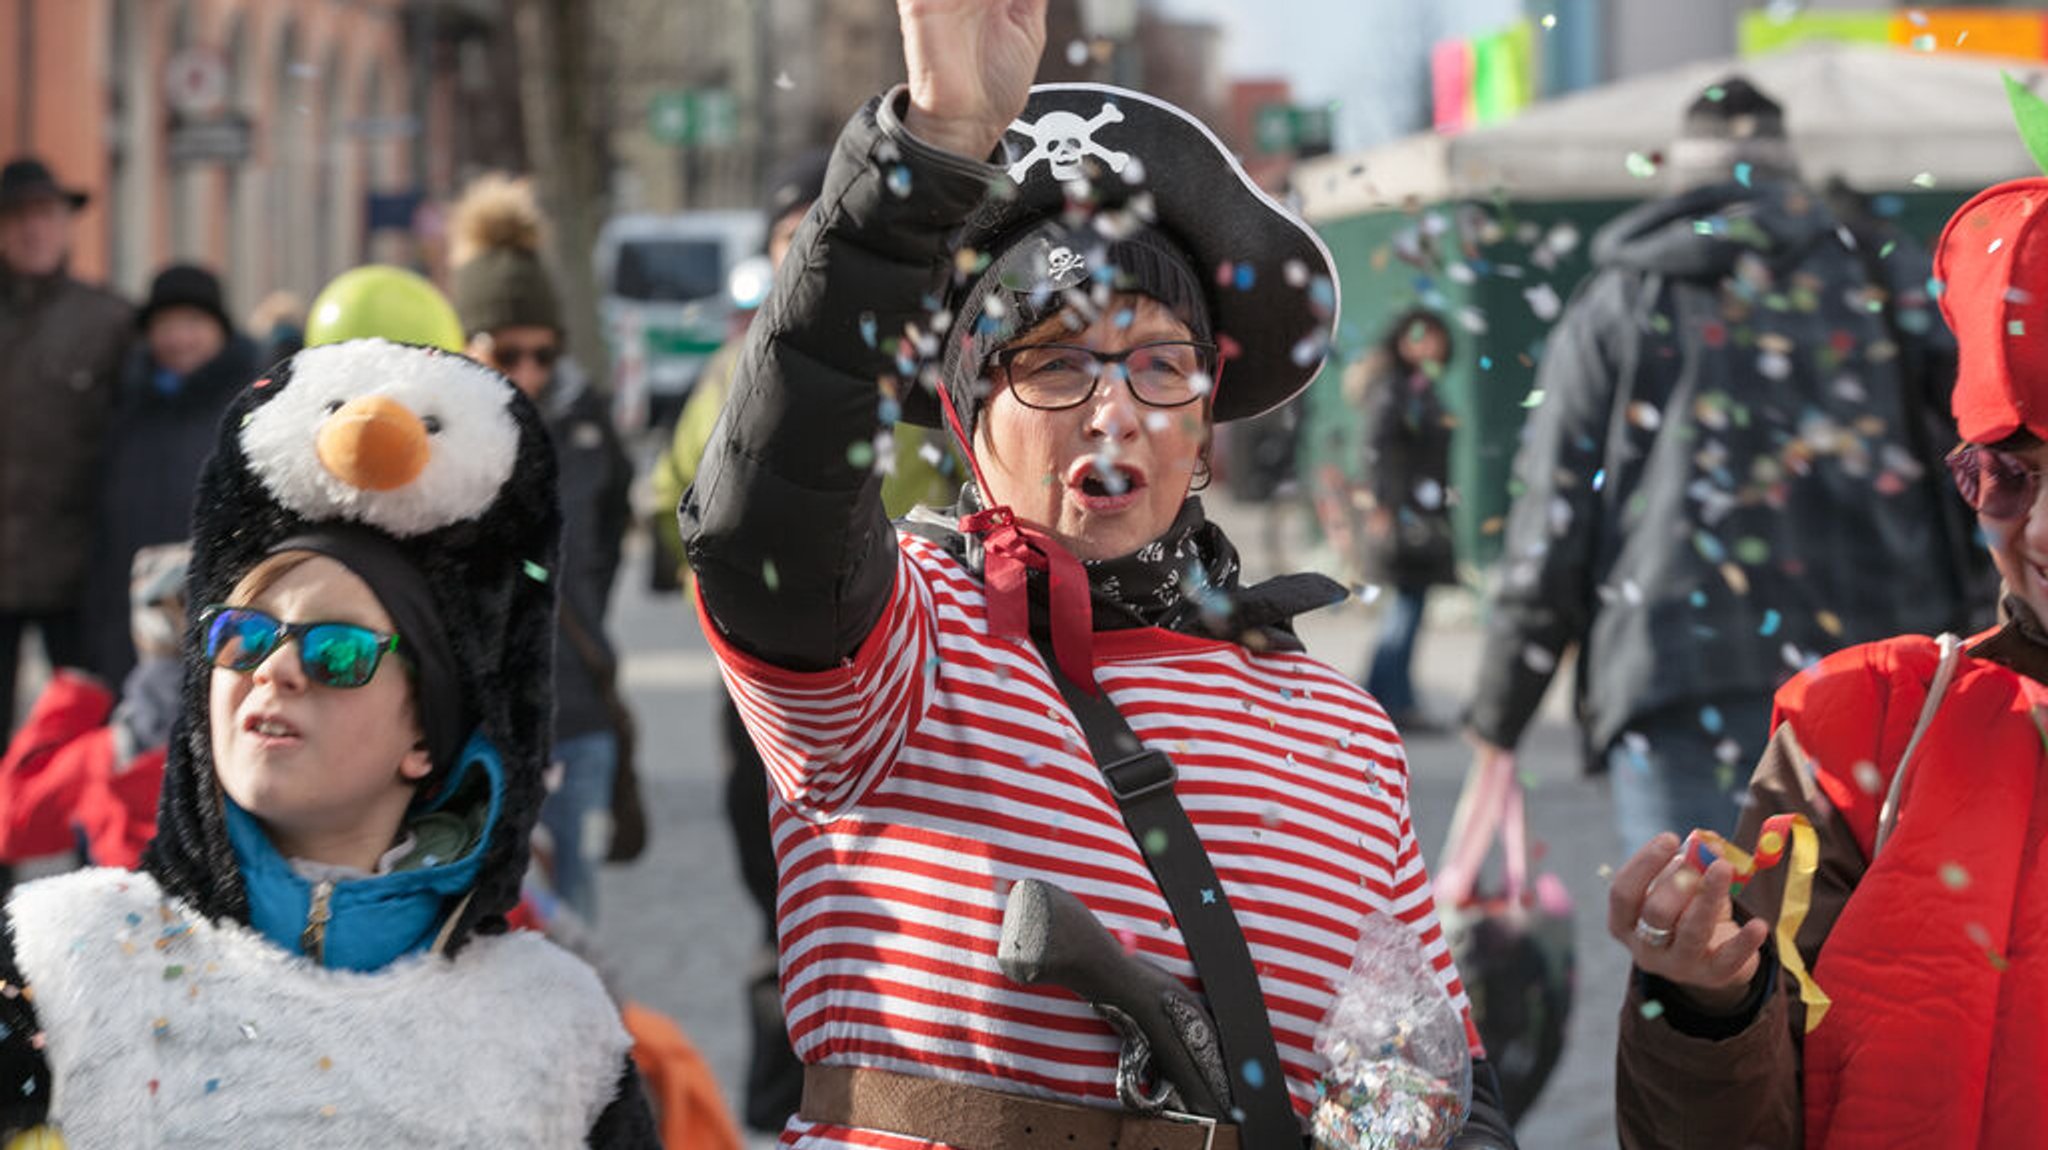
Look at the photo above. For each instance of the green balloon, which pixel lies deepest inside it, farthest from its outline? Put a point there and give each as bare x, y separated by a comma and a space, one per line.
385, 302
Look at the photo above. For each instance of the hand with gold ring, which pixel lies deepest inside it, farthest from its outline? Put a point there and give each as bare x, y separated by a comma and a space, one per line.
1680, 925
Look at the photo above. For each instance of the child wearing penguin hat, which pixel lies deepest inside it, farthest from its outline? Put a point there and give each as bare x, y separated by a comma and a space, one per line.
315, 950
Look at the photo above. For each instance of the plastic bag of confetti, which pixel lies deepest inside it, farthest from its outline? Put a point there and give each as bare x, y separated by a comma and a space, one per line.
1400, 1073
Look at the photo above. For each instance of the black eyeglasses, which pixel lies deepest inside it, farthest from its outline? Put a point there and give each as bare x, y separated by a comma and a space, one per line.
507, 358
332, 654
1056, 376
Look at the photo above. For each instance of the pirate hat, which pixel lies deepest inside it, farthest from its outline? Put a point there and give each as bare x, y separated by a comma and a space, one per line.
1114, 190
1992, 264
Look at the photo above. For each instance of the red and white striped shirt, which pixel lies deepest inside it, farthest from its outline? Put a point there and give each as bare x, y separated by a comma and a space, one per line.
939, 764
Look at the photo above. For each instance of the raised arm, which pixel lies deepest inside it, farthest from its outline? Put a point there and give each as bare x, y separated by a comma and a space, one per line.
784, 524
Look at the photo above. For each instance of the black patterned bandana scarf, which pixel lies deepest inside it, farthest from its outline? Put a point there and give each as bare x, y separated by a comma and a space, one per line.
1188, 580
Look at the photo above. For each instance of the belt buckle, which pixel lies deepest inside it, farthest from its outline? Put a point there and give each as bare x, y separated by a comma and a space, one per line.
1208, 1125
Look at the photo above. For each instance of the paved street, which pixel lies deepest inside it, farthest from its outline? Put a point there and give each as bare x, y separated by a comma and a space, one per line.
678, 930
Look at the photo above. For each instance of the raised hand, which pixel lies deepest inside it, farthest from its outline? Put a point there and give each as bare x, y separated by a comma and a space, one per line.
970, 63
1679, 925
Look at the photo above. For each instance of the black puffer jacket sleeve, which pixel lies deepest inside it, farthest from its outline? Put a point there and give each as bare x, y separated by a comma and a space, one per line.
24, 1072
795, 557
628, 1123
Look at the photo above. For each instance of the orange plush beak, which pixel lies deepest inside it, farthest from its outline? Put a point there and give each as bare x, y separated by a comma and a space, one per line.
373, 443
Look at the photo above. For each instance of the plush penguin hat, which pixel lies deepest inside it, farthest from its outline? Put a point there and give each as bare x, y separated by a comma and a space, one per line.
1111, 190
434, 460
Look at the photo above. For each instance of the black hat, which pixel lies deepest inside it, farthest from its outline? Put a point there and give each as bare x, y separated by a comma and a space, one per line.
1734, 109
797, 184
185, 285
431, 477
1141, 191
28, 179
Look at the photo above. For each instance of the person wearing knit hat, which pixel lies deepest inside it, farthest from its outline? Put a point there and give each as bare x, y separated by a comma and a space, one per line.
315, 949
175, 382
1732, 122
512, 317
1913, 768
1711, 477
1065, 677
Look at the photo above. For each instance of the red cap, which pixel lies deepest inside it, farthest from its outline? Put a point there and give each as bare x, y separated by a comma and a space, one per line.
1992, 262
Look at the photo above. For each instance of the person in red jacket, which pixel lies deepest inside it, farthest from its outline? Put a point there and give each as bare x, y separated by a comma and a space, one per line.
86, 767
1885, 984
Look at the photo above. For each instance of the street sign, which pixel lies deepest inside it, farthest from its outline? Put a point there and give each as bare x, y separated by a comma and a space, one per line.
1273, 128
1312, 129
196, 82
718, 118
668, 117
1301, 129
694, 117
222, 140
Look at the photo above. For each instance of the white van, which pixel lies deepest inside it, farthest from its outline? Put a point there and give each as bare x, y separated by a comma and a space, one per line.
662, 284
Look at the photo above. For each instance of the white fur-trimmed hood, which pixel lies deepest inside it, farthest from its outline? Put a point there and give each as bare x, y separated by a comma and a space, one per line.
164, 1029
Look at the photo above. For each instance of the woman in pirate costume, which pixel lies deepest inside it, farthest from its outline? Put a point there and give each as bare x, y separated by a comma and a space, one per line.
1078, 281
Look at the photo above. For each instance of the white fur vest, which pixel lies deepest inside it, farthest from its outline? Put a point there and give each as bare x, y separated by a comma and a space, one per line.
166, 1030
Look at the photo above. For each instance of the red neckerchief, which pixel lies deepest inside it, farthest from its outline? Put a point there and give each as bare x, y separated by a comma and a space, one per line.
1010, 549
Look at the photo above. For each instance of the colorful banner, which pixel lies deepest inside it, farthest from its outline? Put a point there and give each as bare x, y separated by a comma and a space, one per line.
1975, 31
1450, 78
1761, 31
2017, 35
1503, 72
1485, 79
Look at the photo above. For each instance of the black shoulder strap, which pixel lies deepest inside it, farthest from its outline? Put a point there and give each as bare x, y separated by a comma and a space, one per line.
1142, 781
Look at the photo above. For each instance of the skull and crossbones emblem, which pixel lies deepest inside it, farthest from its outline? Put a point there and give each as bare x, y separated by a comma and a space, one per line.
1061, 265
1064, 139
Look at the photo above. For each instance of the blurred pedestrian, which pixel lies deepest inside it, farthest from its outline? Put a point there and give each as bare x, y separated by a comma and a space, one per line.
61, 348
774, 1083
174, 385
1407, 517
86, 766
1873, 978
512, 317
775, 1077
1737, 427
278, 324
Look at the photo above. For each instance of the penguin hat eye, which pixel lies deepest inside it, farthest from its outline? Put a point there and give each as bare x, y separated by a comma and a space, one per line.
432, 423
333, 405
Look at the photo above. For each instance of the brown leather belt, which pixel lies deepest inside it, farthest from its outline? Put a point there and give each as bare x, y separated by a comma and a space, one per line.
973, 1118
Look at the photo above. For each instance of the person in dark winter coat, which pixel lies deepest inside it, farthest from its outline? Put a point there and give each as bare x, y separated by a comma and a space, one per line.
1407, 520
1742, 418
775, 1081
513, 318
1036, 269
176, 382
315, 949
61, 347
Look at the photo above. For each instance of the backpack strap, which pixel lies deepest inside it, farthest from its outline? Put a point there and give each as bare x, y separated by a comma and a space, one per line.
1142, 780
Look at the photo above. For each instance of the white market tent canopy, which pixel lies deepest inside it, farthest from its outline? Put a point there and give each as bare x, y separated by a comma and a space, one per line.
1877, 116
